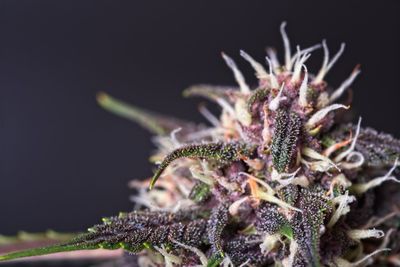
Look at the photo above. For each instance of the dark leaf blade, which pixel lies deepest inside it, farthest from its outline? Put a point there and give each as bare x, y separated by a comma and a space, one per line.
258, 95
221, 152
131, 232
216, 225
287, 131
307, 225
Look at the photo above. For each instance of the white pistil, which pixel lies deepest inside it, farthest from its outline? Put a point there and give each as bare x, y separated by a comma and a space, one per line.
174, 140
340, 180
386, 240
364, 187
342, 209
272, 199
269, 194
293, 249
297, 67
345, 263
302, 52
284, 179
318, 116
226, 107
346, 84
244, 88
273, 80
168, 257
227, 262
234, 207
274, 59
275, 176
286, 44
325, 162
203, 176
214, 133
354, 164
145, 261
274, 104
303, 89
291, 179
327, 65
336, 57
266, 134
269, 243
198, 252
345, 153
242, 114
144, 201
209, 116
319, 166
358, 234
376, 221
261, 73
246, 263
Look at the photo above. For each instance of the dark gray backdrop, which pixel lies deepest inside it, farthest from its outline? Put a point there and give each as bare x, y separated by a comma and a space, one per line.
64, 162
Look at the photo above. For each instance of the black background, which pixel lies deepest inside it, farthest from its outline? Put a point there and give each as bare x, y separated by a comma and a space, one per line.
64, 162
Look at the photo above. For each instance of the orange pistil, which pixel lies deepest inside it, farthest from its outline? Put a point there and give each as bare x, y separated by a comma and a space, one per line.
337, 146
253, 188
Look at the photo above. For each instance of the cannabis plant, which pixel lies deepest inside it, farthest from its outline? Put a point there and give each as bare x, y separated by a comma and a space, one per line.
278, 179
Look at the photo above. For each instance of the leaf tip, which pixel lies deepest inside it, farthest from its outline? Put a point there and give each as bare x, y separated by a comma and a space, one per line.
102, 97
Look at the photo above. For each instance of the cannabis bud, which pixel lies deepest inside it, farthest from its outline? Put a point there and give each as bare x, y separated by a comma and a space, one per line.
278, 179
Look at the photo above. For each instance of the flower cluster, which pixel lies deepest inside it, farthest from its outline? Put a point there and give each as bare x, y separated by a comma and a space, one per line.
278, 179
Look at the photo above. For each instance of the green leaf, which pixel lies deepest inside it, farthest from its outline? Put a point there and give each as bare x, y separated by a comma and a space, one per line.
154, 123
46, 251
49, 235
214, 261
200, 192
287, 230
